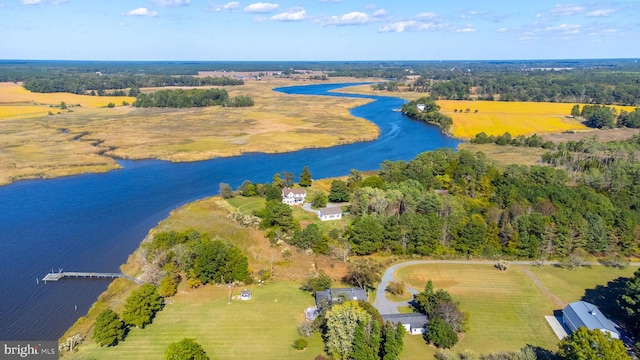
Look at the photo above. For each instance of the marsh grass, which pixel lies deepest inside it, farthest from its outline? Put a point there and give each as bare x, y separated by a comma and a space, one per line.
35, 145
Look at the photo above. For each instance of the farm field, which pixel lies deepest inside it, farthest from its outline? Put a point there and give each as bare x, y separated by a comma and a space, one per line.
506, 308
240, 330
38, 146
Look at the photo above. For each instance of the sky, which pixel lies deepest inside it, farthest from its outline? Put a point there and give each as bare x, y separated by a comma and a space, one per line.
317, 30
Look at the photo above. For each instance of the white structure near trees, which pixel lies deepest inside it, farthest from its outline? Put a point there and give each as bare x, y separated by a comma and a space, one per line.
330, 213
293, 196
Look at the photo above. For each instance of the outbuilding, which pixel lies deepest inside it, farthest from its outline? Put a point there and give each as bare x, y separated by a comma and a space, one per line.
330, 213
584, 314
245, 295
414, 323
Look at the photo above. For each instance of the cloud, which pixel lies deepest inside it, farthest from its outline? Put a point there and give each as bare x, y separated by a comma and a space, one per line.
565, 29
567, 10
467, 29
142, 12
261, 8
411, 25
426, 15
352, 18
602, 12
502, 29
380, 12
230, 7
37, 2
166, 3
291, 15
469, 14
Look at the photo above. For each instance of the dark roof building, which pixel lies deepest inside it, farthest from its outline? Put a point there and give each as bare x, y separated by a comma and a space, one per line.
333, 295
581, 313
414, 323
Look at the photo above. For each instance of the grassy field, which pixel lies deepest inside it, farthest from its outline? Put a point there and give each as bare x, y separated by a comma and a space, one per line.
507, 309
35, 145
261, 328
503, 156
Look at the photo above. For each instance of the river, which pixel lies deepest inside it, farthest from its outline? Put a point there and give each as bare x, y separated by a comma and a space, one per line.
93, 222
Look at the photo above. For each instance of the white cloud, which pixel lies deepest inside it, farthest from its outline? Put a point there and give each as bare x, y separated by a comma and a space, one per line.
37, 2
165, 3
291, 15
567, 10
230, 7
502, 29
565, 29
410, 25
426, 15
261, 8
352, 18
380, 12
466, 29
370, 6
142, 12
469, 14
602, 12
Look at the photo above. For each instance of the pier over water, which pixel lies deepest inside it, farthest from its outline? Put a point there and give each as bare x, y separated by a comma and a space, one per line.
52, 276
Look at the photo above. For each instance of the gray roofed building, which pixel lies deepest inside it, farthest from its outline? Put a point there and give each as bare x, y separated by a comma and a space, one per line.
330, 213
581, 313
333, 295
414, 323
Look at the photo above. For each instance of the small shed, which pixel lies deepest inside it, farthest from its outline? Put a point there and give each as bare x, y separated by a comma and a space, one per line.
330, 213
584, 314
245, 295
414, 323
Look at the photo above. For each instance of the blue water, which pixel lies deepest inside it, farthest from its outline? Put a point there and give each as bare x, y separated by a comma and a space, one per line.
93, 222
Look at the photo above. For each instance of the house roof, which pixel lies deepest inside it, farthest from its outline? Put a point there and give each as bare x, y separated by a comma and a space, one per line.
333, 294
415, 320
295, 191
245, 292
582, 313
334, 210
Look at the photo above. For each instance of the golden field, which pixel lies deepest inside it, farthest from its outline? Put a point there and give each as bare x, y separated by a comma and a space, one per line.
35, 145
15, 94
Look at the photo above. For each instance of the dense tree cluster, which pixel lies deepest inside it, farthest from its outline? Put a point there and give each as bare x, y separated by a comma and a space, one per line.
101, 83
506, 139
445, 318
181, 98
108, 329
141, 306
202, 259
430, 113
605, 117
185, 349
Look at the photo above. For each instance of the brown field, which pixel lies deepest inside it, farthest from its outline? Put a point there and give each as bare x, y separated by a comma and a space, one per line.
38, 146
502, 156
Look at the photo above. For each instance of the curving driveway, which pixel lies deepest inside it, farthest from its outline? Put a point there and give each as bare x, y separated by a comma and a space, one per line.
386, 306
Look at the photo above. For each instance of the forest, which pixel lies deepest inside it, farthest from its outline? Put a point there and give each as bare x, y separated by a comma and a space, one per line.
445, 203
181, 98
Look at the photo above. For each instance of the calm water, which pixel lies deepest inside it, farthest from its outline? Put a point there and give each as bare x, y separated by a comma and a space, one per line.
93, 222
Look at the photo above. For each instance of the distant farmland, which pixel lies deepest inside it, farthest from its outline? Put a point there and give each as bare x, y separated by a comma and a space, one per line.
518, 118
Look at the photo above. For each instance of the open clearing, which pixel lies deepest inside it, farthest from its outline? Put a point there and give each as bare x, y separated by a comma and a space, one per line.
76, 140
507, 308
263, 327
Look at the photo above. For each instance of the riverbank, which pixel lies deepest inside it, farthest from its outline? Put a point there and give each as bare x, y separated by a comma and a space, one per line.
88, 139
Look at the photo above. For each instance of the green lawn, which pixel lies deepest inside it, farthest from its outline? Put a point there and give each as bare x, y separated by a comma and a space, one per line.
263, 327
247, 205
506, 308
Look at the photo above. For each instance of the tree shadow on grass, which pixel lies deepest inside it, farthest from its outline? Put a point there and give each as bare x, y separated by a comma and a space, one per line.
605, 297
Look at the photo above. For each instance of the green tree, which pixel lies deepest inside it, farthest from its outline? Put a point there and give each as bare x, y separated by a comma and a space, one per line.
168, 287
364, 272
354, 180
602, 118
185, 349
440, 334
575, 110
339, 191
320, 282
225, 191
63, 105
108, 329
629, 302
305, 177
278, 182
341, 323
141, 306
585, 344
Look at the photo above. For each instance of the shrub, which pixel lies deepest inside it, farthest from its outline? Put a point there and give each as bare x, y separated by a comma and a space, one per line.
395, 288
300, 344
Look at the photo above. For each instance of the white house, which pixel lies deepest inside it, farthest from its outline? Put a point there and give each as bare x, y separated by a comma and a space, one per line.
330, 213
293, 196
584, 314
420, 107
414, 323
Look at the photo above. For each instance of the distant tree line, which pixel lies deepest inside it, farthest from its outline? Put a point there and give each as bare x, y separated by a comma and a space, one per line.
430, 114
606, 117
181, 98
85, 83
534, 140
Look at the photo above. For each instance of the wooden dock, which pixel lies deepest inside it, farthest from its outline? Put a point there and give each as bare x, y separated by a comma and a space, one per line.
86, 275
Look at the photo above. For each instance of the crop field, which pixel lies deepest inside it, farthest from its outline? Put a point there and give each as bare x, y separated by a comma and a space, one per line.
39, 146
14, 94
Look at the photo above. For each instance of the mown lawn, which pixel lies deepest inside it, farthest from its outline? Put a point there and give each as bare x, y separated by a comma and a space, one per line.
261, 328
247, 205
506, 308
